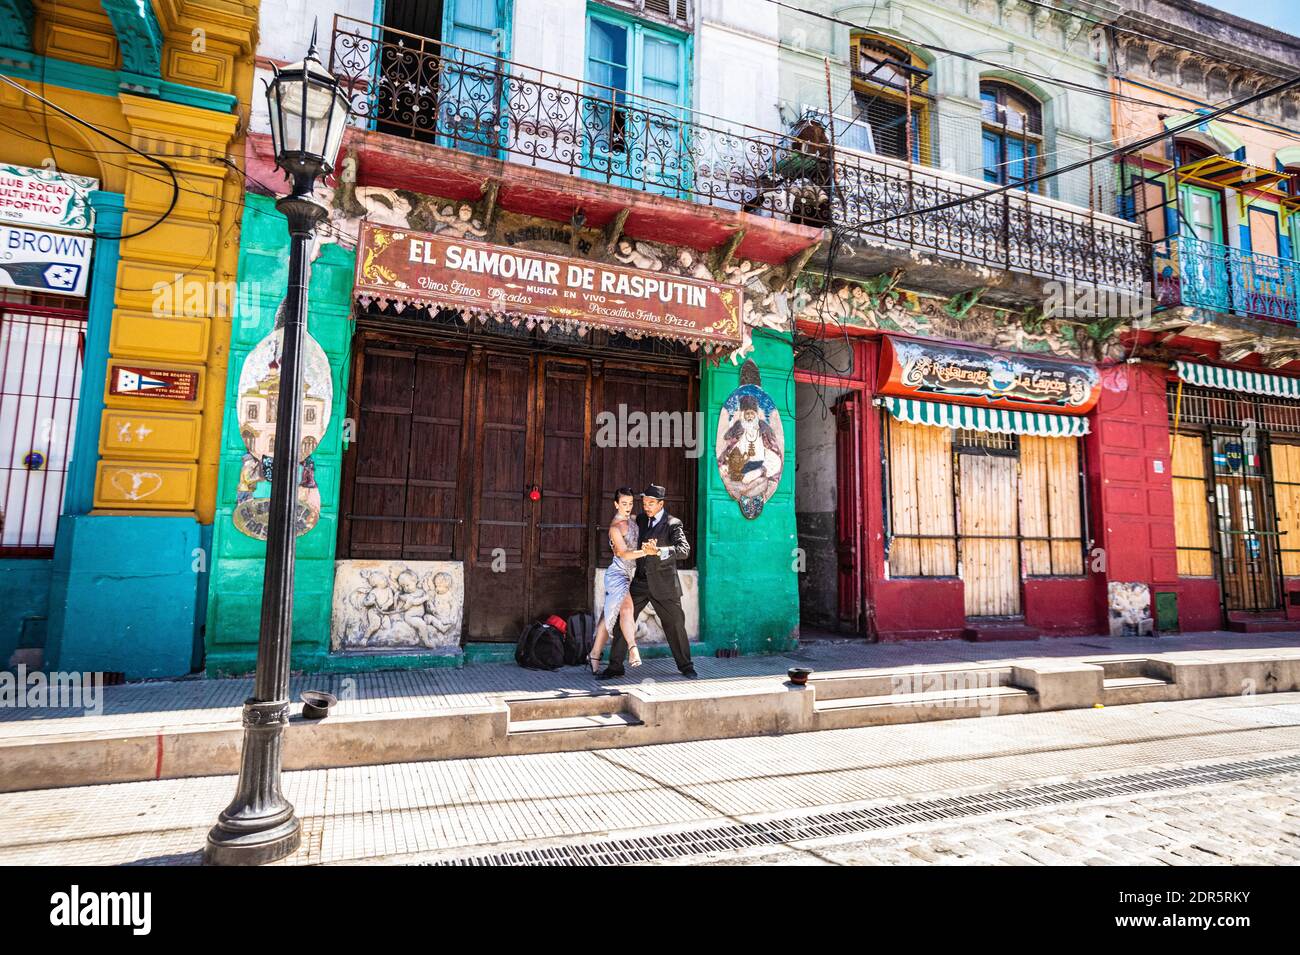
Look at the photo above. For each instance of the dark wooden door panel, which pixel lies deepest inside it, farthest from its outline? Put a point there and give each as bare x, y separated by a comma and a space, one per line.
559, 572
403, 500
496, 598
433, 492
849, 520
382, 446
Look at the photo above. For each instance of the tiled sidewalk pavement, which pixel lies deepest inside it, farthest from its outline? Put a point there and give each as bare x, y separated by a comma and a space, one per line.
194, 701
465, 806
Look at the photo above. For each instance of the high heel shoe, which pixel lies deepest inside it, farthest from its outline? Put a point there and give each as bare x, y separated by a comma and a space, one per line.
594, 660
633, 657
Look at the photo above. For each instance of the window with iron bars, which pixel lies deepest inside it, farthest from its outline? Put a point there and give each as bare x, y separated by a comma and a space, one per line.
925, 498
42, 345
1227, 409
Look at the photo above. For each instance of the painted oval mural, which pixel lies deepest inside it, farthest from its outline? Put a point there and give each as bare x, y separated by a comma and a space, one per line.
750, 443
259, 394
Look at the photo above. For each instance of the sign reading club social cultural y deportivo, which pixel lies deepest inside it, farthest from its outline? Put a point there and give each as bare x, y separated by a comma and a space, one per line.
916, 369
504, 282
46, 198
44, 261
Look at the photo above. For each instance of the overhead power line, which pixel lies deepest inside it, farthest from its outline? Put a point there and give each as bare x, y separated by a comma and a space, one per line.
1134, 146
176, 188
972, 58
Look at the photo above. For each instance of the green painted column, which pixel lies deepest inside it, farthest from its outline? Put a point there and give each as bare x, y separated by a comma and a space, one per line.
235, 589
749, 593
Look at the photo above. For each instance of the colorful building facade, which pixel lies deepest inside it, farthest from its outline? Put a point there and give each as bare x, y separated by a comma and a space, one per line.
464, 481
1220, 350
935, 411
114, 325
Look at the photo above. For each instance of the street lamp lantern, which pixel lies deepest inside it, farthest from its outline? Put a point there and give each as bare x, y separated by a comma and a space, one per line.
309, 112
308, 116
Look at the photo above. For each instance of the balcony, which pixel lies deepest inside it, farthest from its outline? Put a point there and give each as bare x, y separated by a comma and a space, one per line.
1189, 271
448, 96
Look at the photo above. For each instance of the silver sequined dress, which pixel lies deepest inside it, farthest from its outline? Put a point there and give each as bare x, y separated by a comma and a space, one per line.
618, 576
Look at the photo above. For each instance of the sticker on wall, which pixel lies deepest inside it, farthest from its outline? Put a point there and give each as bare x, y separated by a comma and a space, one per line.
166, 384
259, 394
397, 605
1130, 609
751, 443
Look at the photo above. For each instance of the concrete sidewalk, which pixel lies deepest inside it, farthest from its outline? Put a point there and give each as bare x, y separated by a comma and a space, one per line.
422, 811
192, 727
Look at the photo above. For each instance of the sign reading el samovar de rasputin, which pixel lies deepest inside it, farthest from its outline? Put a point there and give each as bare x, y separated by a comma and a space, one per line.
439, 270
917, 369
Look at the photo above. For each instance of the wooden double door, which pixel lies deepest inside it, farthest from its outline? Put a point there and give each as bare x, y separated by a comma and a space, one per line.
497, 458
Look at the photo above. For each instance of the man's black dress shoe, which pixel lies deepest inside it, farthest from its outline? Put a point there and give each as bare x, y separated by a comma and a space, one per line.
609, 673
690, 674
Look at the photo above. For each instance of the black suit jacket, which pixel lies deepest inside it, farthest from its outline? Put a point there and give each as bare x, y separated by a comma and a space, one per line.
659, 574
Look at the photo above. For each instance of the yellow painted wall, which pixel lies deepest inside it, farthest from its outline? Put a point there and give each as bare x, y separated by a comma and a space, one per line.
157, 457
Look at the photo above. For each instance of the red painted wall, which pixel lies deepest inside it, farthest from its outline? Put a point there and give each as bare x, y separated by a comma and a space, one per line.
1131, 493
1063, 605
1199, 606
918, 608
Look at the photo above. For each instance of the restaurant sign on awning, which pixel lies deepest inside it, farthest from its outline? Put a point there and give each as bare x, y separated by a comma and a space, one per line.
504, 283
915, 369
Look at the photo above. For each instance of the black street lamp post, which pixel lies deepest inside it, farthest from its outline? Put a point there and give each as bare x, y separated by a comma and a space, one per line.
308, 114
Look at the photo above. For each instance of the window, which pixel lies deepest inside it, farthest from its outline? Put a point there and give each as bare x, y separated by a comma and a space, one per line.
1291, 185
1030, 516
888, 82
1286, 495
634, 111
1147, 203
41, 351
1191, 507
437, 78
251, 411
1189, 151
1013, 134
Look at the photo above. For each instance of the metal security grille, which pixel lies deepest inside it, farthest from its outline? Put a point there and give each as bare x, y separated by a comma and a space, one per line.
40, 383
964, 439
779, 832
1225, 409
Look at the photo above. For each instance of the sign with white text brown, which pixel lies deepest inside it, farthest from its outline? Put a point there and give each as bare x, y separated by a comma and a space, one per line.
425, 269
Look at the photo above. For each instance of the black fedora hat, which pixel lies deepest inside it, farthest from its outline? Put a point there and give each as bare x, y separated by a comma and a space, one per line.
657, 491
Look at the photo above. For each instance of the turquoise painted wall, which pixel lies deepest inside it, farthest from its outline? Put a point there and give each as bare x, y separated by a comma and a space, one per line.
749, 591
24, 600
235, 587
123, 592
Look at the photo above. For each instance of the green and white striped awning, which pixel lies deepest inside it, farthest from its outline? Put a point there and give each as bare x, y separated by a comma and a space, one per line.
975, 418
1230, 379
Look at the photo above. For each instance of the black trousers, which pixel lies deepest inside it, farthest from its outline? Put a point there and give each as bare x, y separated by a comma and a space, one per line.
671, 616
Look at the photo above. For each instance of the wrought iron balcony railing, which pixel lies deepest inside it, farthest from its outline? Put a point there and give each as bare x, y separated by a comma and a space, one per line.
1192, 271
477, 102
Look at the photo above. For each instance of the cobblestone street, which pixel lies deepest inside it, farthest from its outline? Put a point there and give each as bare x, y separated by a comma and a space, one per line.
1246, 823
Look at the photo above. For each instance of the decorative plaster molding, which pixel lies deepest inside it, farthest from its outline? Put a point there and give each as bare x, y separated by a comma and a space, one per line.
16, 19
138, 36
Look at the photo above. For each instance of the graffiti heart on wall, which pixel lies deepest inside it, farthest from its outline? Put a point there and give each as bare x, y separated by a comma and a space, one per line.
751, 443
